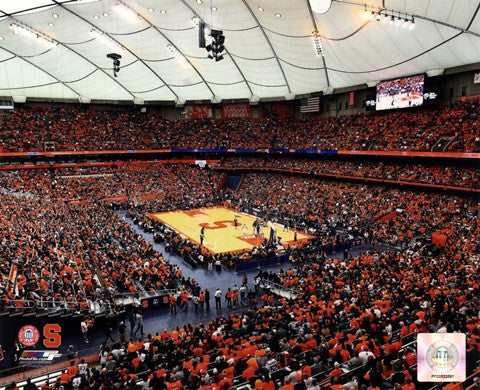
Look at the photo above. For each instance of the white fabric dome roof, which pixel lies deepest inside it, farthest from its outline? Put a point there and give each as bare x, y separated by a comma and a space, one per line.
270, 50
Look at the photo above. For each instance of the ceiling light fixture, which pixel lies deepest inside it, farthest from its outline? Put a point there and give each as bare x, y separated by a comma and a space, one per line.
176, 53
277, 15
320, 6
116, 62
55, 15
105, 39
126, 12
318, 43
96, 17
26, 31
389, 16
106, 14
163, 12
51, 24
260, 8
412, 24
151, 10
217, 46
214, 8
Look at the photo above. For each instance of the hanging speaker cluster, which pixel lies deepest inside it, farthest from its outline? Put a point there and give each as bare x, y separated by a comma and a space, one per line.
216, 47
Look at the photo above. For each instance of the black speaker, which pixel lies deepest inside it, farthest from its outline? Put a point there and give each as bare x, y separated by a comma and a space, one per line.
201, 34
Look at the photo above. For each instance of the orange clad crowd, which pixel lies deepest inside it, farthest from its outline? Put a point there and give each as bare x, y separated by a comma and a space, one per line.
350, 324
71, 255
350, 327
28, 129
450, 175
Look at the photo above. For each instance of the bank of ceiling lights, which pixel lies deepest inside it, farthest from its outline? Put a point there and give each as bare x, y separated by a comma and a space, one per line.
318, 43
390, 17
26, 31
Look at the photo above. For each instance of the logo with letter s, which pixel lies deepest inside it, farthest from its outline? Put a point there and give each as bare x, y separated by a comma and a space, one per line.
218, 225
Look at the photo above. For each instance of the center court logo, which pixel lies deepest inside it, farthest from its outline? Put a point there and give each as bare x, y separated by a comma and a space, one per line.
28, 336
441, 357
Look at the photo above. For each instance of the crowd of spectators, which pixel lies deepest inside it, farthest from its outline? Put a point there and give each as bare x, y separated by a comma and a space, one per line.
466, 177
351, 327
78, 254
50, 247
351, 314
375, 212
42, 257
332, 210
352, 317
152, 184
37, 129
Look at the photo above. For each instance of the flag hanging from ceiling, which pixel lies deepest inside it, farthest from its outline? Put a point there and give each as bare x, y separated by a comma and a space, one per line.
200, 111
237, 110
351, 99
310, 105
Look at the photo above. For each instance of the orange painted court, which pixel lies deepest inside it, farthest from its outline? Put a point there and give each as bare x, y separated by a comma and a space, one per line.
220, 233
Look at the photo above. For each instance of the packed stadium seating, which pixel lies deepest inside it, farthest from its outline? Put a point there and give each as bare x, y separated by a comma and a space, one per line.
467, 177
390, 215
66, 242
239, 195
137, 182
88, 129
70, 259
352, 325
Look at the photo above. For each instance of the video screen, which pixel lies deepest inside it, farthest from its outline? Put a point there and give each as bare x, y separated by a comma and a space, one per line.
400, 93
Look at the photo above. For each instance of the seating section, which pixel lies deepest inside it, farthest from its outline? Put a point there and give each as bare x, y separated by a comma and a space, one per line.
148, 183
452, 128
47, 253
353, 325
390, 215
75, 255
65, 241
459, 176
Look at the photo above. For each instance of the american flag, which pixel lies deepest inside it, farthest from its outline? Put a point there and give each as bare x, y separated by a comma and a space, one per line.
310, 105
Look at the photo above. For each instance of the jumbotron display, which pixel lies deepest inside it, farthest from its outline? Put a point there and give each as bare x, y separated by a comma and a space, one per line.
400, 93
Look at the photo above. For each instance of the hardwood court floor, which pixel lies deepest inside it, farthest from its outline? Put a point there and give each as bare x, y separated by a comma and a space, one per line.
220, 233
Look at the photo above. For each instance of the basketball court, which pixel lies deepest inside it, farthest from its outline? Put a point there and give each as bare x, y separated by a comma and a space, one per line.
221, 236
401, 100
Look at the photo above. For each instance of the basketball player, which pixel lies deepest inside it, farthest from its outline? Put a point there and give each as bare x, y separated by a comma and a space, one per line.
202, 235
244, 230
235, 222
